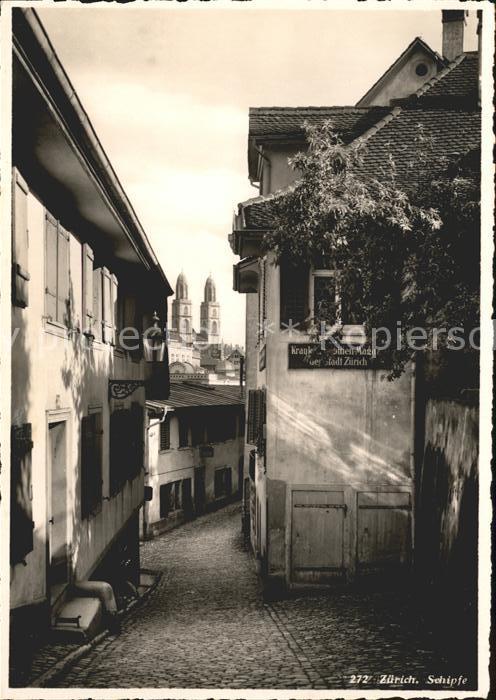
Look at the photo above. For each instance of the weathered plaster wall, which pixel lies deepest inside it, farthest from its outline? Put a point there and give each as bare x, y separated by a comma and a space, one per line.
58, 377
349, 427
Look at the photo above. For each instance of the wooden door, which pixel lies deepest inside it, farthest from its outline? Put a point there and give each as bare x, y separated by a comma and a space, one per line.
318, 535
383, 530
57, 523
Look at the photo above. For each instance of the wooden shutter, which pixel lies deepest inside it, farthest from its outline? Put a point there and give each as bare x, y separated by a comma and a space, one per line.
97, 303
116, 325
253, 400
21, 522
88, 258
294, 295
63, 303
165, 434
50, 267
20, 242
137, 444
108, 323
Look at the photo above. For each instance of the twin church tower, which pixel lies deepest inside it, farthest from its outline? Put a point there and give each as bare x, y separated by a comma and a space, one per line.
182, 316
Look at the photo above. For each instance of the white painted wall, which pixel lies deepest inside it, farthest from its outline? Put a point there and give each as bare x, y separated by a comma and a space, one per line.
55, 377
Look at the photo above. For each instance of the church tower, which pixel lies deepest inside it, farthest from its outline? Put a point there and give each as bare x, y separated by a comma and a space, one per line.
210, 313
182, 320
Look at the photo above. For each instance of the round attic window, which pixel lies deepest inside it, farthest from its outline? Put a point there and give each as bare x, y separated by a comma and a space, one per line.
421, 69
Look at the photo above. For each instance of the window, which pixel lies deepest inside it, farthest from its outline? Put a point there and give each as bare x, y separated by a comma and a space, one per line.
183, 432
20, 242
91, 463
294, 309
222, 482
57, 305
165, 435
324, 297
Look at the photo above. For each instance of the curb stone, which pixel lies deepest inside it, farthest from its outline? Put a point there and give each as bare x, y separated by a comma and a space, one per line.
46, 678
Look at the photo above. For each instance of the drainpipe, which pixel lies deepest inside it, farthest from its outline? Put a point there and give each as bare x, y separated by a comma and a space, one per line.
479, 52
145, 504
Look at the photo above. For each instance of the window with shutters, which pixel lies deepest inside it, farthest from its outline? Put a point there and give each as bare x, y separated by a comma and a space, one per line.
91, 463
294, 291
165, 435
256, 417
20, 242
57, 302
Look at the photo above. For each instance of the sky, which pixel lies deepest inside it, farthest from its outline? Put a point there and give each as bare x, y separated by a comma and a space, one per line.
168, 91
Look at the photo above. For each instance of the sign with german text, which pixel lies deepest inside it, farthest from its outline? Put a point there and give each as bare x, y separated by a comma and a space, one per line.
311, 356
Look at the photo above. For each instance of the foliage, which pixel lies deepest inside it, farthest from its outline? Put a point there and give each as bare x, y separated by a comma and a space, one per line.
407, 256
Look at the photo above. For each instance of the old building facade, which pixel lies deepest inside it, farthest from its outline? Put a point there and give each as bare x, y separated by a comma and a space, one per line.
83, 270
330, 447
194, 448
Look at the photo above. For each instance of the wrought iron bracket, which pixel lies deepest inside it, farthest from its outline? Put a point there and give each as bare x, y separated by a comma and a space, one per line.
122, 388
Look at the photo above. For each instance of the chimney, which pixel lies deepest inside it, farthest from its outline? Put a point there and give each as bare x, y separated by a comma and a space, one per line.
453, 23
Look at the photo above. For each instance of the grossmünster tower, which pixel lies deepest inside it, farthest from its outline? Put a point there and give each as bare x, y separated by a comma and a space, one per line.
210, 313
182, 313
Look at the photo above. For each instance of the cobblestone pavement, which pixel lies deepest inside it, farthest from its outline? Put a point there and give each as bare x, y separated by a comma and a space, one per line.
206, 625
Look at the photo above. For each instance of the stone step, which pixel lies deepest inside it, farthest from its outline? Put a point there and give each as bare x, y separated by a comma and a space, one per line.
78, 620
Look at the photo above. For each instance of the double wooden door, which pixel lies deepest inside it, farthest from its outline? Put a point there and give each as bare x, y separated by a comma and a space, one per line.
339, 532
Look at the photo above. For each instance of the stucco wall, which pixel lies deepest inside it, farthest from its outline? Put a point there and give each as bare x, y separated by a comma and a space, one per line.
57, 378
328, 426
404, 81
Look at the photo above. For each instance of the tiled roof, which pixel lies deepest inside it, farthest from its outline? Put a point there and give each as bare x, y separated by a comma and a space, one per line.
459, 79
287, 122
449, 133
446, 111
190, 394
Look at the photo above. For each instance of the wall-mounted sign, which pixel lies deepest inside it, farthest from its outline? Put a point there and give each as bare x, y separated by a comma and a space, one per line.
206, 451
310, 356
262, 358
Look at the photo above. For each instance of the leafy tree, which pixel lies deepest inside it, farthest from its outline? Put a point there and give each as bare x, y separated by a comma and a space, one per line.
407, 253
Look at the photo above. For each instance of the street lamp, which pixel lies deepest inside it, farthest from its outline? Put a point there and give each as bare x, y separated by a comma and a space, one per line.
154, 347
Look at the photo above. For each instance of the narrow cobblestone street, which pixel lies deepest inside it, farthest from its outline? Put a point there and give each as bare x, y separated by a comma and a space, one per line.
207, 625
